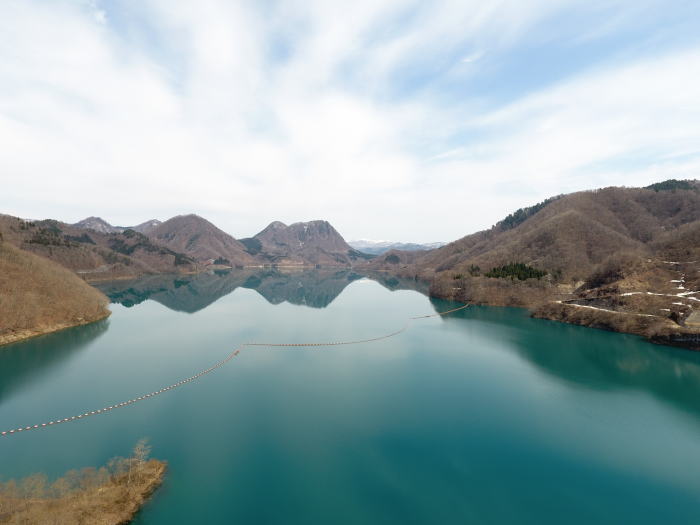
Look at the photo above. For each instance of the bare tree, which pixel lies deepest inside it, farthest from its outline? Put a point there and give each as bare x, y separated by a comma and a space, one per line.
138, 457
142, 450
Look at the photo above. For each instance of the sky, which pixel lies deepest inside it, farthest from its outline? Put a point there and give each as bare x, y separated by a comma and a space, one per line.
400, 120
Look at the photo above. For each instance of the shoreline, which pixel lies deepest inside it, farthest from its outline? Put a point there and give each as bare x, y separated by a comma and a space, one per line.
19, 336
122, 277
664, 334
551, 310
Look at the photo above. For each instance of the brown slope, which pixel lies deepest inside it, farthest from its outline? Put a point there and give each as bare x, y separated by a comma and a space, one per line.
39, 296
302, 244
679, 244
570, 235
200, 239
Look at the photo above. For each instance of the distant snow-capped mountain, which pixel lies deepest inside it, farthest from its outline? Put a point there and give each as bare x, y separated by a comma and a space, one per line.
146, 227
97, 224
100, 225
379, 247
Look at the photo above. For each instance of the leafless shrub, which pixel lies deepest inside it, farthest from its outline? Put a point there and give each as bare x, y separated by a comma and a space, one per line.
109, 494
614, 268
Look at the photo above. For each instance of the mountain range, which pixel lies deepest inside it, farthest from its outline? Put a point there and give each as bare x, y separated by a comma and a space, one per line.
299, 244
313, 288
302, 244
97, 250
100, 225
624, 259
380, 247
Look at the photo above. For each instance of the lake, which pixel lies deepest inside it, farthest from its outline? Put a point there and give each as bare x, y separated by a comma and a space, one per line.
483, 416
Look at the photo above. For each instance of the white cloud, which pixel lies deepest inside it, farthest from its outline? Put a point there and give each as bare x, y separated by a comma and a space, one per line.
247, 115
473, 57
583, 126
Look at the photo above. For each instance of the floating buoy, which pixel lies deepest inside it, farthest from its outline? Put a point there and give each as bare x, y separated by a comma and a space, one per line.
223, 362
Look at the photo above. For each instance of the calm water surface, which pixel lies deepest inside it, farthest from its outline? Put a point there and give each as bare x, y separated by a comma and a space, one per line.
485, 416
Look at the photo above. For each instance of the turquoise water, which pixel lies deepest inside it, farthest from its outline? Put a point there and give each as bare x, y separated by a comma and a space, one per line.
484, 416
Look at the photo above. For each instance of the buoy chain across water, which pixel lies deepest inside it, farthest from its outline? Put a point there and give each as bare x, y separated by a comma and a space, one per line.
211, 369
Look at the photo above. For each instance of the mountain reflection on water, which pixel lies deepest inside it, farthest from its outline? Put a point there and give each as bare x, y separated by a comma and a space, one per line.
24, 363
598, 361
192, 293
484, 415
588, 358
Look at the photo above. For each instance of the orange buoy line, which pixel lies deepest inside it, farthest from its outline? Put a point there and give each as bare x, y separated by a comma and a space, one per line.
221, 363
356, 342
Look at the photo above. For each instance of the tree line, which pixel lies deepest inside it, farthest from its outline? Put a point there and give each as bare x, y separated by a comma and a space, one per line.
520, 271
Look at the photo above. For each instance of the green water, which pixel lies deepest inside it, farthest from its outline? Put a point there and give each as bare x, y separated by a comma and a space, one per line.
485, 416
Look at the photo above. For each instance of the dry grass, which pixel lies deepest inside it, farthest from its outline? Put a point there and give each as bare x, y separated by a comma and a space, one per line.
495, 292
618, 321
107, 496
39, 296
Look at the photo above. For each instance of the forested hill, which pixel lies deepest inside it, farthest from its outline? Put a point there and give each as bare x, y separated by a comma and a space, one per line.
625, 259
568, 235
189, 243
93, 254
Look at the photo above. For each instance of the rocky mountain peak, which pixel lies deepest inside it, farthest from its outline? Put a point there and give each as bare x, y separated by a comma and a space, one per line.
97, 224
312, 242
147, 226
